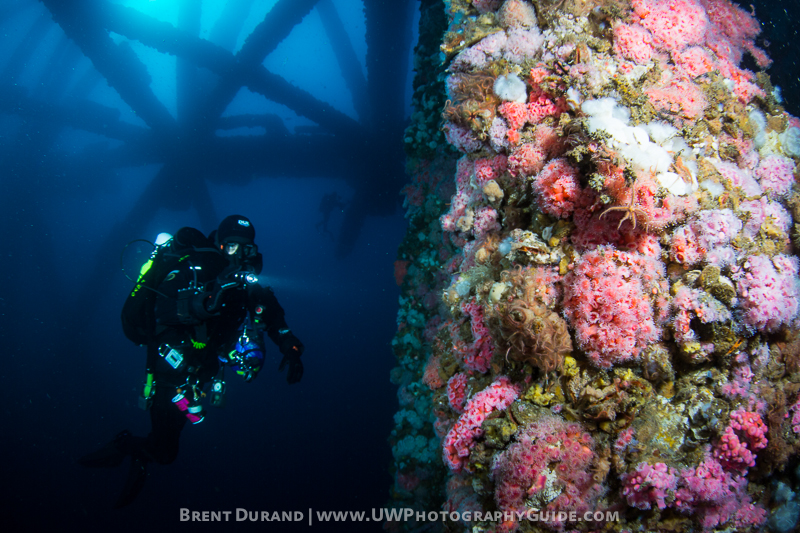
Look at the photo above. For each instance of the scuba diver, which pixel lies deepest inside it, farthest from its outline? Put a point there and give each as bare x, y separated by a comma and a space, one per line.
328, 203
197, 307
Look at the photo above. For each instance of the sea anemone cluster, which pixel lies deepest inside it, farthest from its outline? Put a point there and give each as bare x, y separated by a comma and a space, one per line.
600, 295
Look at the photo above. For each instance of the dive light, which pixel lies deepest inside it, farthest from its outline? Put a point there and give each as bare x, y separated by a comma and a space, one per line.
248, 278
162, 238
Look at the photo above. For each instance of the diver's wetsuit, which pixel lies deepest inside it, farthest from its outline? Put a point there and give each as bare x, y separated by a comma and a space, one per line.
201, 336
216, 335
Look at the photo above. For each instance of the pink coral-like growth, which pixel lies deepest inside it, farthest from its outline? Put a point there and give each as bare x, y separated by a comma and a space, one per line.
795, 410
558, 188
486, 221
548, 466
706, 238
776, 174
763, 210
745, 435
527, 159
768, 291
523, 44
489, 168
736, 26
650, 484
694, 61
609, 301
515, 113
717, 497
457, 391
477, 354
738, 177
462, 138
461, 497
466, 212
459, 440
744, 86
541, 106
406, 482
675, 24
716, 227
431, 376
485, 6
739, 384
549, 140
679, 97
685, 247
624, 439
633, 42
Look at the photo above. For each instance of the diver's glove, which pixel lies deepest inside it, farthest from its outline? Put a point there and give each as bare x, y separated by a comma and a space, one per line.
292, 349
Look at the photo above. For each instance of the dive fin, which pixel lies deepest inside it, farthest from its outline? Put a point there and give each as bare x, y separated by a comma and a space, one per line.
108, 456
135, 482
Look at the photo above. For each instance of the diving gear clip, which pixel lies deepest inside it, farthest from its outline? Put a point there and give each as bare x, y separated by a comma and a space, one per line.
171, 355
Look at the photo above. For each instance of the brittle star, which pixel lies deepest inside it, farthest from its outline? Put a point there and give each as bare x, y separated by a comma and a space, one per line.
631, 209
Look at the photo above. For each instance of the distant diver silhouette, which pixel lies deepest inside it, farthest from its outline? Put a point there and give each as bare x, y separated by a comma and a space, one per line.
328, 203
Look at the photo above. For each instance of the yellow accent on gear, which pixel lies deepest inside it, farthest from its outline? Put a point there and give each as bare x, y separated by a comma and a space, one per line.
142, 271
148, 386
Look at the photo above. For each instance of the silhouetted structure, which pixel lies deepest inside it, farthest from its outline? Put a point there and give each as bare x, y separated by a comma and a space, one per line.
366, 153
330, 202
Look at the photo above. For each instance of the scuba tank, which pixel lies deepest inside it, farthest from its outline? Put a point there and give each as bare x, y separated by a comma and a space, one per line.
137, 313
135, 320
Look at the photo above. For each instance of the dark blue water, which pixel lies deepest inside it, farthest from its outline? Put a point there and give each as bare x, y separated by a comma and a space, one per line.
70, 379
320, 443
779, 38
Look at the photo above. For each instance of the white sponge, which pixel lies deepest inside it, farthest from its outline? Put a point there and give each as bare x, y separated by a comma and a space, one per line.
511, 88
790, 141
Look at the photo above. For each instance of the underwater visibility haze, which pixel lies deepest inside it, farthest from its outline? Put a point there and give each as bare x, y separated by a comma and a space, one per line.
121, 120
542, 256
